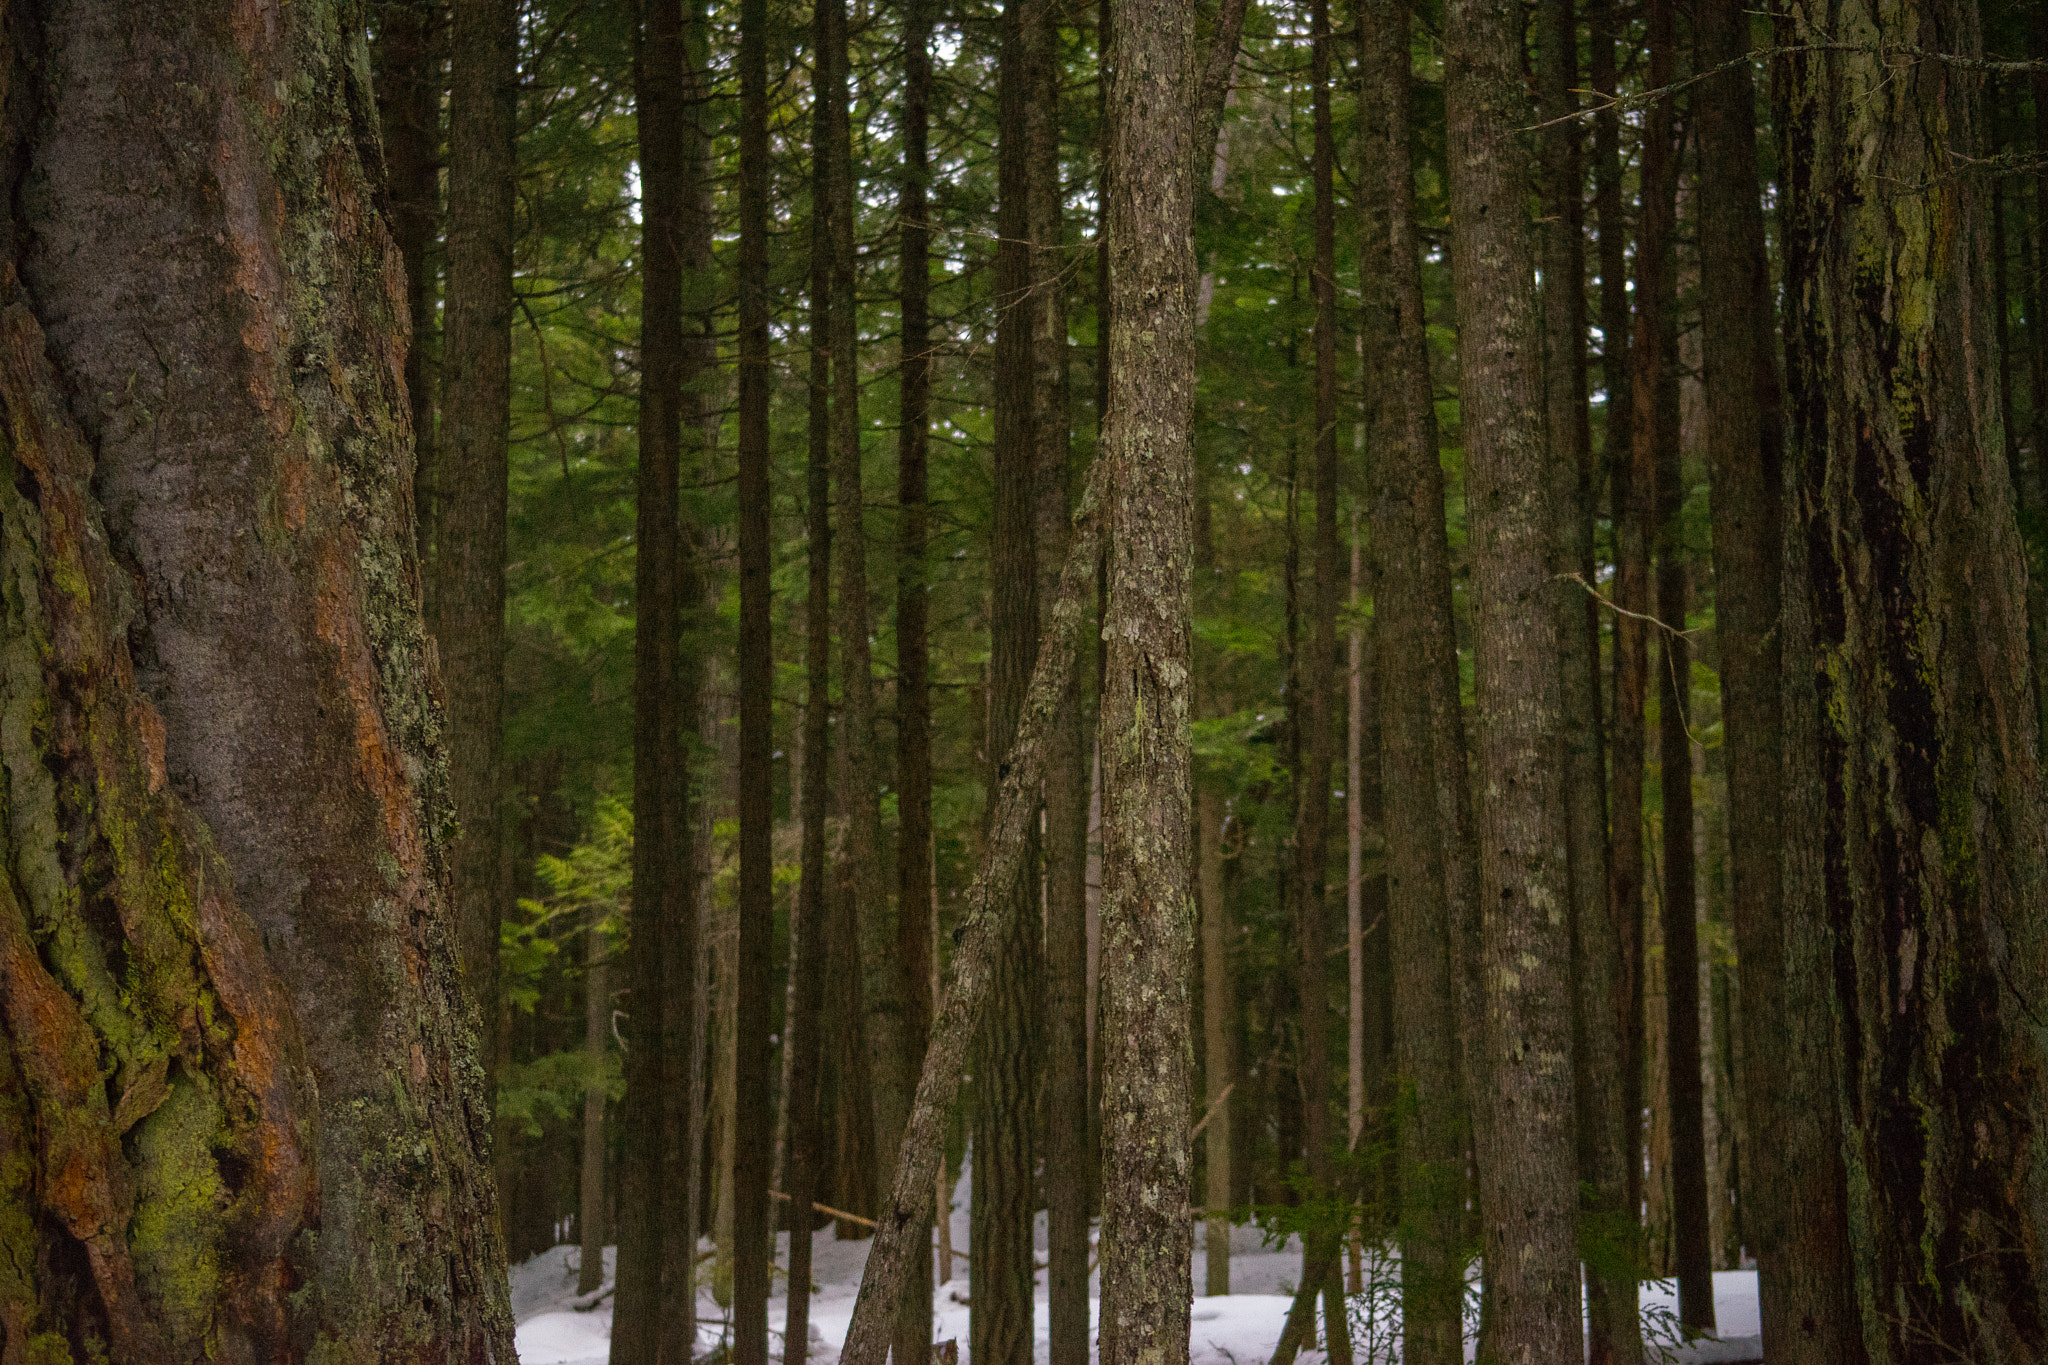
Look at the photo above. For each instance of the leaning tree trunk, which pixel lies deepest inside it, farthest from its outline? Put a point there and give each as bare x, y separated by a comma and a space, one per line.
1928, 775
240, 1113
656, 1232
1527, 1159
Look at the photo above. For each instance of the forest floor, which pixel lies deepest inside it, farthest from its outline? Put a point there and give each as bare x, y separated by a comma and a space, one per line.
1238, 1329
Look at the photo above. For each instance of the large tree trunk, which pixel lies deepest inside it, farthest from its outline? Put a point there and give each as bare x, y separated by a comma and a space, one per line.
1006, 1063
1147, 900
227, 896
1527, 1159
655, 1312
753, 1225
915, 872
1928, 777
1413, 632
469, 537
409, 86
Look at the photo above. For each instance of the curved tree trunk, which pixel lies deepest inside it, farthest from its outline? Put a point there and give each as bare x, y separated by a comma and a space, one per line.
1928, 780
239, 1102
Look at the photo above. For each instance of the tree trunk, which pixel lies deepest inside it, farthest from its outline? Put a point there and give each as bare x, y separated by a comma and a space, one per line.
1605, 1246
239, 1103
807, 939
656, 1236
1928, 778
1065, 1025
915, 869
1528, 1186
469, 539
1317, 677
597, 1018
882, 985
1147, 901
1006, 1063
903, 1230
1416, 779
409, 86
753, 1223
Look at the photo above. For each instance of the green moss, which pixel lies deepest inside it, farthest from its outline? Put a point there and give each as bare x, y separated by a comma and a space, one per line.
174, 1236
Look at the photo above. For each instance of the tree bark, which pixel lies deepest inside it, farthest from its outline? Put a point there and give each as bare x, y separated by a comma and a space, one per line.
469, 563
1416, 777
753, 1225
1928, 780
240, 1111
409, 85
915, 871
656, 1235
1064, 1020
902, 1231
882, 985
803, 1028
1006, 1063
1147, 901
597, 1018
1526, 1149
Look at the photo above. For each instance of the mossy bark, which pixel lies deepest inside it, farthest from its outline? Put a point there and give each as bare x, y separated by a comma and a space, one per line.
1932, 855
229, 1002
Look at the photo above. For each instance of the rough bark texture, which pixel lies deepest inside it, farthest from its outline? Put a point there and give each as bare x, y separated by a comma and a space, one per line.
469, 537
230, 1009
1147, 867
903, 1230
1527, 1159
656, 1233
1007, 1054
1928, 775
409, 84
1413, 630
915, 873
752, 1225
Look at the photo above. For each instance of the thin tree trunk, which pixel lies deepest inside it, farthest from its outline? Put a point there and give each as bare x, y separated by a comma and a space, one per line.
409, 85
903, 1228
476, 399
881, 974
1004, 1192
597, 1018
1067, 1168
807, 943
1218, 1040
1614, 1332
1417, 777
219, 691
1928, 781
659, 1178
1526, 1148
1316, 677
916, 870
753, 1224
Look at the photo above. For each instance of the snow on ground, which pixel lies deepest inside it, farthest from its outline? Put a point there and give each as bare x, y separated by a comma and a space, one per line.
1238, 1329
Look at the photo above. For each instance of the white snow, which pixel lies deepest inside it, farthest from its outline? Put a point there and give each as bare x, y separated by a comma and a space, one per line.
1237, 1329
